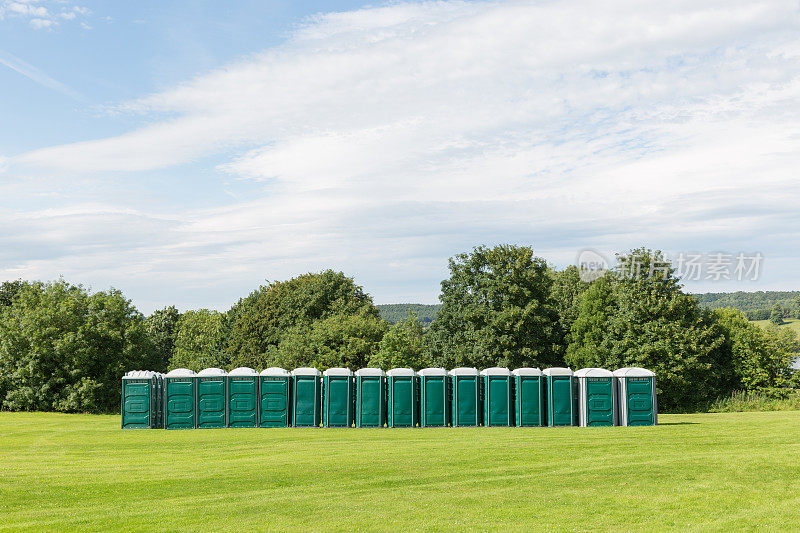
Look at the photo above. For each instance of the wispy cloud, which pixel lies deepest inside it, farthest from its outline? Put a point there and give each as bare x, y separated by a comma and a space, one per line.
42, 14
385, 139
36, 75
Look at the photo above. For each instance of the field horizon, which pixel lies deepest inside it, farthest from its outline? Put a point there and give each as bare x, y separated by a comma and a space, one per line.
697, 471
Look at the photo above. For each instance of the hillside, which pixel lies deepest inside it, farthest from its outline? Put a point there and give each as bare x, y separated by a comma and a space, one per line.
749, 301
394, 313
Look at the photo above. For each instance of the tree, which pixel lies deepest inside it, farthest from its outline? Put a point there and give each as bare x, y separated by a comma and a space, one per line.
496, 310
590, 336
9, 289
776, 315
162, 327
402, 346
200, 341
566, 292
260, 322
797, 307
63, 349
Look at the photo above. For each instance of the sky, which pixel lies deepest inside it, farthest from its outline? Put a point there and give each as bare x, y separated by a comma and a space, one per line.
185, 152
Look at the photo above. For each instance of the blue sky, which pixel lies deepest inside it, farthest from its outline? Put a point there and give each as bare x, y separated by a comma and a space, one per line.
186, 151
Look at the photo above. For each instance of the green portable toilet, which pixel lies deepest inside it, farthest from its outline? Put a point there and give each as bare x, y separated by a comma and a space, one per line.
559, 397
370, 398
242, 398
275, 392
597, 397
636, 388
306, 397
179, 399
211, 398
498, 403
403, 393
434, 408
337, 398
139, 408
529, 409
465, 388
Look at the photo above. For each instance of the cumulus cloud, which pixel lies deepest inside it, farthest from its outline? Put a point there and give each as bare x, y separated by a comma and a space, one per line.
385, 139
41, 13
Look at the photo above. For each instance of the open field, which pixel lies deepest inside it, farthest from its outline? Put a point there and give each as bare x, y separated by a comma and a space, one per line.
704, 471
791, 323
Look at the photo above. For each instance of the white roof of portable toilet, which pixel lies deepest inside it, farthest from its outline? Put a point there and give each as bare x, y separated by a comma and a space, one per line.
212, 372
633, 372
370, 372
557, 371
139, 374
527, 371
432, 372
405, 372
181, 373
338, 372
464, 371
275, 371
243, 371
594, 373
306, 371
496, 371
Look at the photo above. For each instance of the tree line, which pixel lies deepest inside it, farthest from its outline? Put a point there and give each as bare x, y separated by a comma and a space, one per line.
757, 305
63, 348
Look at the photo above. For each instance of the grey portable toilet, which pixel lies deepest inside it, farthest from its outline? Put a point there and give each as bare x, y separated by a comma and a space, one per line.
529, 409
434, 407
306, 397
466, 397
179, 399
242, 398
636, 389
275, 389
337, 398
211, 398
498, 404
559, 396
140, 402
370, 398
597, 397
403, 398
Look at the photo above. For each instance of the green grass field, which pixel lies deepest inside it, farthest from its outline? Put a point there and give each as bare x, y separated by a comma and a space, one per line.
731, 471
791, 323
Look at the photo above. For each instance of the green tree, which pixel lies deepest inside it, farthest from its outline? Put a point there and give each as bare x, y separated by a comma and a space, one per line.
200, 341
566, 292
590, 335
162, 326
496, 310
776, 315
797, 307
63, 349
9, 289
260, 322
402, 346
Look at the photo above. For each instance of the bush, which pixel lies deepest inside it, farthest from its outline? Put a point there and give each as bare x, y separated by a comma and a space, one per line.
766, 400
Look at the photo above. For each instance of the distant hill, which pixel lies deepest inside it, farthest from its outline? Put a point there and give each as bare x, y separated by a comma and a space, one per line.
756, 305
394, 313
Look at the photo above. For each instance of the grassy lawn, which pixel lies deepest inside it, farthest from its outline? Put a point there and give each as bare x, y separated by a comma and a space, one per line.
791, 323
729, 471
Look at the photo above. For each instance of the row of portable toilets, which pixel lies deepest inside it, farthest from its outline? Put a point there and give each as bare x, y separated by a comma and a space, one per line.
401, 397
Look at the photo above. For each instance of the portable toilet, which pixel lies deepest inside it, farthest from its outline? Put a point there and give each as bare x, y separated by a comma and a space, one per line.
465, 388
306, 397
403, 396
433, 405
559, 396
179, 398
529, 409
338, 398
636, 388
370, 398
597, 397
159, 400
211, 398
498, 403
275, 389
140, 389
242, 398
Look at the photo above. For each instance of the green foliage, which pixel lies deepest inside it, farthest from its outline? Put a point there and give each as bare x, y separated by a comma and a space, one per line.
279, 322
590, 336
402, 346
749, 301
776, 315
162, 326
496, 310
200, 341
9, 289
743, 401
64, 349
396, 313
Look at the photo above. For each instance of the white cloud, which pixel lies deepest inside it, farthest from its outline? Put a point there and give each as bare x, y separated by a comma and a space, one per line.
41, 14
388, 138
